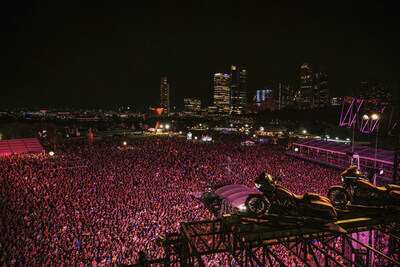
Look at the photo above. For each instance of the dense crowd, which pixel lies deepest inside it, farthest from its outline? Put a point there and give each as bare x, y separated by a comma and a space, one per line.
98, 204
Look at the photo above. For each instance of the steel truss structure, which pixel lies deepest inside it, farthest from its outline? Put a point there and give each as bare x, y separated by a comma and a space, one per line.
353, 108
271, 240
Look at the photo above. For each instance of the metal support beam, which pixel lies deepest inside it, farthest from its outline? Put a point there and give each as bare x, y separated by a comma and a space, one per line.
375, 251
252, 242
191, 249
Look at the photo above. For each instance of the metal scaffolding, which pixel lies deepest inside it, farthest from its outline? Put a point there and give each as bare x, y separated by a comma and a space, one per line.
245, 241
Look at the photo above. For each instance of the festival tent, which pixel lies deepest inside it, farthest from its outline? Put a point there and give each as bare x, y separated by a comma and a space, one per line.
235, 194
20, 146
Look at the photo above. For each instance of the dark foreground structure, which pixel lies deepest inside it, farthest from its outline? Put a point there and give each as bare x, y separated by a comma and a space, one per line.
259, 241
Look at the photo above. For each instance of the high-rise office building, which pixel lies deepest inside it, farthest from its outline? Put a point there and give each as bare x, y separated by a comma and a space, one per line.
374, 89
313, 88
263, 95
164, 94
306, 87
336, 101
192, 105
285, 95
321, 96
264, 99
238, 89
222, 92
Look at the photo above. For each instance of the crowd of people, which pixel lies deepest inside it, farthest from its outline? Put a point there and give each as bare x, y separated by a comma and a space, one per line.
101, 203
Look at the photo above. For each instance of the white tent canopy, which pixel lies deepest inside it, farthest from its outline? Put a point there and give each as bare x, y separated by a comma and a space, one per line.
235, 194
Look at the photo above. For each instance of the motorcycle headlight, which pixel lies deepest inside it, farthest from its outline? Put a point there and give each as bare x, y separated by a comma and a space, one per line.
242, 207
257, 185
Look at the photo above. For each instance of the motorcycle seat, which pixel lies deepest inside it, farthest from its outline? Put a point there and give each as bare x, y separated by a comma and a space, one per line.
393, 187
312, 196
371, 186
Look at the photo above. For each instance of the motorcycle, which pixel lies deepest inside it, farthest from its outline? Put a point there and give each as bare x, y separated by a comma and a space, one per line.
276, 199
358, 190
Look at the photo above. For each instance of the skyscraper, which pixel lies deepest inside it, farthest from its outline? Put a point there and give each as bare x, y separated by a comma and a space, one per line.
306, 87
238, 89
192, 105
285, 95
321, 96
222, 92
265, 99
313, 88
164, 94
263, 95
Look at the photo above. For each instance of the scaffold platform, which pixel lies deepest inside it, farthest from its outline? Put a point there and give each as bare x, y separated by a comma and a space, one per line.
270, 240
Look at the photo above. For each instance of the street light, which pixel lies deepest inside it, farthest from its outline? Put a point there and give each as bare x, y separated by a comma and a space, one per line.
51, 153
304, 131
124, 143
167, 126
374, 117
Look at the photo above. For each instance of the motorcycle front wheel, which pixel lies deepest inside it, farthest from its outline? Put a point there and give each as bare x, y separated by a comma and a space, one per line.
339, 197
256, 204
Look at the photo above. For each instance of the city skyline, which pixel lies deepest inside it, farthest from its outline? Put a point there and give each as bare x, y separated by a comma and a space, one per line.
108, 55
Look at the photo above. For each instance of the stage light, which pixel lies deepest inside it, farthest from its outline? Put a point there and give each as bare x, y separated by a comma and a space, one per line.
51, 153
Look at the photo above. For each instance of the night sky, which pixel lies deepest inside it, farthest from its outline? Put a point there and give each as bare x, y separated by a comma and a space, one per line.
106, 54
